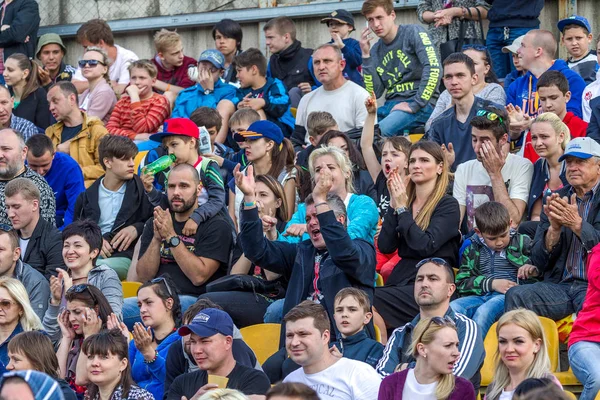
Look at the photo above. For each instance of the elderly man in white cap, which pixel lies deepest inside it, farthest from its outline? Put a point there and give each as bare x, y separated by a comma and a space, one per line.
569, 229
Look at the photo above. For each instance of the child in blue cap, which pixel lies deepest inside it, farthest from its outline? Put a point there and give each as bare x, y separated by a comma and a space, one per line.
577, 37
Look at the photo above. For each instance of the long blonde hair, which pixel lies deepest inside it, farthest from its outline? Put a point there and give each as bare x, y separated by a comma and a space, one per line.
425, 333
341, 159
539, 368
557, 126
29, 320
433, 149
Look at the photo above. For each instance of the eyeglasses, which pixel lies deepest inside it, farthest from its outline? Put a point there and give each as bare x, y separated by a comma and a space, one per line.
82, 287
91, 63
6, 305
435, 260
478, 47
163, 280
6, 228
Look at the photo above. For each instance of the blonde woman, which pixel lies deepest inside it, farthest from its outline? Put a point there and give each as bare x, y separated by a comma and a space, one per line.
435, 349
421, 222
223, 394
521, 354
99, 98
16, 315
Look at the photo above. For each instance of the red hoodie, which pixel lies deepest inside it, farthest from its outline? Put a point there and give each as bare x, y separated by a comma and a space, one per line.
587, 324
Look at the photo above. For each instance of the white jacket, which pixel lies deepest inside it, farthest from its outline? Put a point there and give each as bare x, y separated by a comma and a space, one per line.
592, 90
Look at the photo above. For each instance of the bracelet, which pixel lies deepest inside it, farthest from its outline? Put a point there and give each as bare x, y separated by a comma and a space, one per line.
323, 203
154, 359
168, 87
250, 204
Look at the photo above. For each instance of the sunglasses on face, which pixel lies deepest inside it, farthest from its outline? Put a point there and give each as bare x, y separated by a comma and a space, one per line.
91, 63
6, 305
163, 280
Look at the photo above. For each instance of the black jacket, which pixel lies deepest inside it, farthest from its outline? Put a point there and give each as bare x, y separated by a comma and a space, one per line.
44, 251
593, 129
35, 108
135, 210
292, 66
23, 16
541, 176
515, 13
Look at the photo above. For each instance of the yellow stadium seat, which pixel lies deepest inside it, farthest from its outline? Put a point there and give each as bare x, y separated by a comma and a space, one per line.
138, 160
263, 339
377, 333
567, 378
491, 346
293, 110
379, 281
415, 137
570, 395
130, 288
598, 396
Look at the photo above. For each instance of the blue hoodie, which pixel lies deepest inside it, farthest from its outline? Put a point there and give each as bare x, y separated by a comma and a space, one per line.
193, 97
523, 93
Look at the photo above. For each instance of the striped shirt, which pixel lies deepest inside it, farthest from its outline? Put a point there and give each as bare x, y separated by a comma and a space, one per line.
23, 126
146, 116
495, 264
576, 258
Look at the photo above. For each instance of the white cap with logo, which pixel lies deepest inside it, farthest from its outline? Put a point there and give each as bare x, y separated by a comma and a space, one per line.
582, 147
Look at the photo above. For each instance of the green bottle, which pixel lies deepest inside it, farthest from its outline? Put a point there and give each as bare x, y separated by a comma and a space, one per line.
160, 164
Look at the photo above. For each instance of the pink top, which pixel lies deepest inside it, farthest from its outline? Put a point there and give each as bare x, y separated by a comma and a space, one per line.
100, 102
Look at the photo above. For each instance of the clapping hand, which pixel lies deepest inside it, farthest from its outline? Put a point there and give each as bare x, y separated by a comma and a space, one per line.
114, 323
398, 196
142, 338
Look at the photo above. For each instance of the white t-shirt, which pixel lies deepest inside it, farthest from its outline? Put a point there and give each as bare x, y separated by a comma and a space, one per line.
473, 187
506, 395
414, 390
118, 70
23, 245
346, 380
346, 104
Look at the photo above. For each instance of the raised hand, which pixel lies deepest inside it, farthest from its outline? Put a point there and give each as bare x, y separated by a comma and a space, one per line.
114, 323
365, 42
92, 323
245, 181
142, 337
371, 104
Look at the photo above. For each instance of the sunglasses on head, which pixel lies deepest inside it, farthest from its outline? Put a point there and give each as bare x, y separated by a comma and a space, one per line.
82, 287
91, 63
490, 115
6, 228
435, 260
439, 321
163, 280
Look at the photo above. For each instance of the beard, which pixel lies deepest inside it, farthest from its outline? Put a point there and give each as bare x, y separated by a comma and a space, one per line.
11, 169
185, 206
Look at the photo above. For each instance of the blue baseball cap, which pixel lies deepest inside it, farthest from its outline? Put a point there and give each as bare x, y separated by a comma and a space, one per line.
209, 322
581, 147
575, 20
213, 56
261, 129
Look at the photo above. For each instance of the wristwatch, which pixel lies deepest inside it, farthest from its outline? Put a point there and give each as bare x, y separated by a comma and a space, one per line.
208, 91
400, 210
174, 241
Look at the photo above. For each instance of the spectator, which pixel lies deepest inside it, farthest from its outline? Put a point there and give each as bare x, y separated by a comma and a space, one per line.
39, 240
287, 54
86, 313
352, 313
308, 332
549, 137
97, 33
99, 98
209, 91
494, 175
29, 385
51, 52
82, 241
291, 391
21, 20
583, 340
192, 261
224, 394
211, 337
518, 70
239, 122
142, 112
60, 171
171, 64
13, 151
509, 20
248, 307
592, 90
117, 202
9, 120
318, 123
409, 79
265, 95
33, 350
18, 314
228, 36
445, 19
437, 338
593, 130
109, 369
452, 128
21, 76
577, 37
486, 84
568, 230
530, 386
328, 64
340, 24
180, 359
495, 259
75, 133
422, 221
522, 353
434, 287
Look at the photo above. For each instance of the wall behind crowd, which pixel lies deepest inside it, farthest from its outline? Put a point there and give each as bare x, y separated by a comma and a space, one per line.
310, 31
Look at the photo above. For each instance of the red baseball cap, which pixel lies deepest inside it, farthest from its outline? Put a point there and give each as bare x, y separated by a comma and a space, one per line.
177, 127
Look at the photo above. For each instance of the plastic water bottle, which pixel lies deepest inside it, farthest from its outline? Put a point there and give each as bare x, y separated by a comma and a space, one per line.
204, 139
160, 164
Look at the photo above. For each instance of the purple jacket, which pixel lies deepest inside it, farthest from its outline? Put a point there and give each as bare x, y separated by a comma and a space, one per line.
392, 387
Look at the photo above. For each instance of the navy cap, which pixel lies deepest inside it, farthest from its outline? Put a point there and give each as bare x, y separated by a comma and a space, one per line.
261, 129
213, 56
575, 20
581, 147
209, 322
342, 16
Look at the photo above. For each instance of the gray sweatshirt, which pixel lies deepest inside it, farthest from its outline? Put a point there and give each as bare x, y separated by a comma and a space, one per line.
407, 69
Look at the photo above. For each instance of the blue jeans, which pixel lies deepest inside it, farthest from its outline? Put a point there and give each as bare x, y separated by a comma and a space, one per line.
131, 311
484, 310
274, 313
394, 123
502, 62
583, 357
